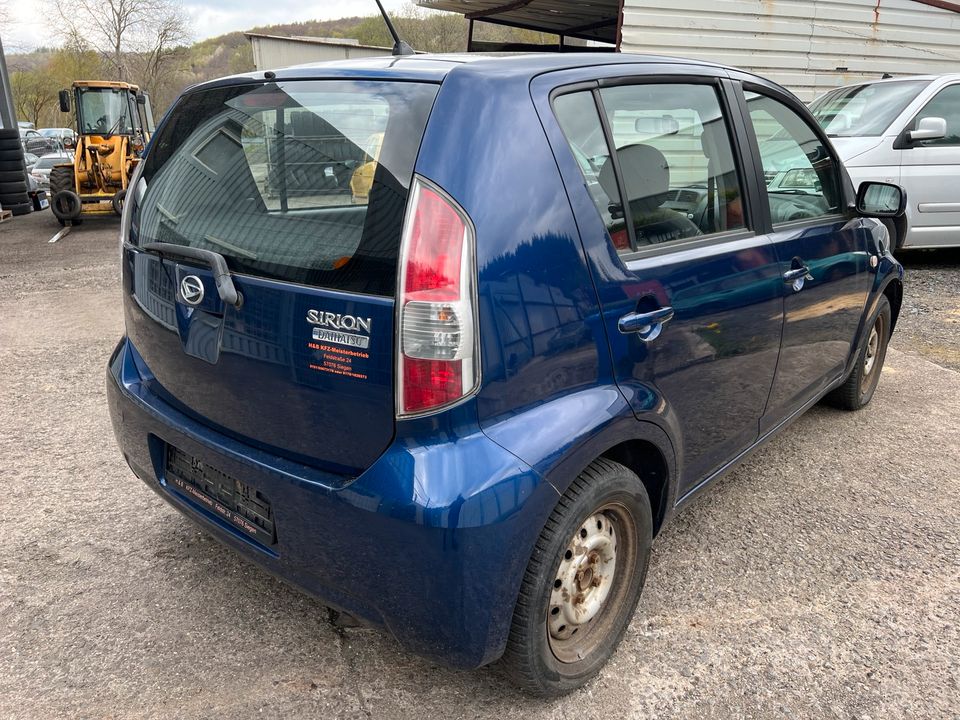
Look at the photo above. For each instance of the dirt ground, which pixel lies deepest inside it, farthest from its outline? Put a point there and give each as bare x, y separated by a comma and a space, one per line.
821, 579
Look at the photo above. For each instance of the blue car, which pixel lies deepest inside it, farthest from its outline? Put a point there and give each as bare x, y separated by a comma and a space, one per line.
446, 340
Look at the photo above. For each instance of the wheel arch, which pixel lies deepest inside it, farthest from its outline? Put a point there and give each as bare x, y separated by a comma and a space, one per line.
893, 291
642, 446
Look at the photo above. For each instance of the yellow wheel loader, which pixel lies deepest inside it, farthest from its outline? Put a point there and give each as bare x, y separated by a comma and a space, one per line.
114, 124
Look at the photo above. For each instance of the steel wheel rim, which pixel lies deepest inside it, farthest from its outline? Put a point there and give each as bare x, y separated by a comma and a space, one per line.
590, 583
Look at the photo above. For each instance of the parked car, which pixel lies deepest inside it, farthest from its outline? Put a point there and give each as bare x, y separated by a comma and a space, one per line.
459, 406
41, 169
29, 159
905, 131
35, 143
65, 136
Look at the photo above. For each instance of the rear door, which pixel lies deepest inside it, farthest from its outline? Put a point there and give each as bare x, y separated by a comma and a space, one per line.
262, 175
690, 292
822, 251
929, 173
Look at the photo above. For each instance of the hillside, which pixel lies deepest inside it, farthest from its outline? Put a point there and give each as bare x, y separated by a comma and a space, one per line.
37, 75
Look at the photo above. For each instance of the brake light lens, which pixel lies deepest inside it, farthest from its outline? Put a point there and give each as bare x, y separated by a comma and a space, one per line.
438, 357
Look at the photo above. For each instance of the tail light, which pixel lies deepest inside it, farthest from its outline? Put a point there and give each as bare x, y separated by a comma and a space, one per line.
438, 359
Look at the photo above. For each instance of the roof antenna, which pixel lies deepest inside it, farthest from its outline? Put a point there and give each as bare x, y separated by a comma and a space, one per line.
399, 46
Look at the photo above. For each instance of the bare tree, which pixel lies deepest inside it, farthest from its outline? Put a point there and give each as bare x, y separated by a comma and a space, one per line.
34, 92
122, 29
165, 48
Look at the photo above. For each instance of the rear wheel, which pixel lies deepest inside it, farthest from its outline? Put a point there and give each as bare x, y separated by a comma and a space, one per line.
582, 583
858, 389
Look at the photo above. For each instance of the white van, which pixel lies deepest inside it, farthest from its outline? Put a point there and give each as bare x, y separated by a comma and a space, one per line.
904, 131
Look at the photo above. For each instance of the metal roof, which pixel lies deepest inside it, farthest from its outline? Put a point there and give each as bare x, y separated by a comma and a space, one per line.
593, 20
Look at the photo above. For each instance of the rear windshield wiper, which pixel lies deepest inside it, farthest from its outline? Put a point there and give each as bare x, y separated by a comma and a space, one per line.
221, 273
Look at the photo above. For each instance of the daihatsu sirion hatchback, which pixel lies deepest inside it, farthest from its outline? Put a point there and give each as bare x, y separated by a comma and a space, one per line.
445, 341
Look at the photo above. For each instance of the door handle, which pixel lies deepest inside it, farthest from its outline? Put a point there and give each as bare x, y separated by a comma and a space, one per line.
797, 276
796, 273
648, 325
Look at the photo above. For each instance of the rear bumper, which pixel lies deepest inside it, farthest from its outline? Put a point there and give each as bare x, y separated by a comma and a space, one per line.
430, 542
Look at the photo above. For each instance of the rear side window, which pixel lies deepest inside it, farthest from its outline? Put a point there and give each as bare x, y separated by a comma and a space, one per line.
303, 181
674, 176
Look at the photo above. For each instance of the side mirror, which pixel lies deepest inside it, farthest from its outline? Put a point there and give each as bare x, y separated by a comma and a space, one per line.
929, 128
64, 96
141, 99
881, 200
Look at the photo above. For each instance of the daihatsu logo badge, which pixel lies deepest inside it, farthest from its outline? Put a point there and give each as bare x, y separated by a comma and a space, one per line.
191, 290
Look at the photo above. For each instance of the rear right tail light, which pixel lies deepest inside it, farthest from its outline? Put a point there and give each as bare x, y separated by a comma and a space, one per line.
438, 360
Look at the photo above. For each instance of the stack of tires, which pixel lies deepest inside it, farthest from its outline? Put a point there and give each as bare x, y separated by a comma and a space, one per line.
13, 174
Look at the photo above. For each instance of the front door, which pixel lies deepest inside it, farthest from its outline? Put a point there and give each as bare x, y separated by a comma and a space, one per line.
929, 173
823, 254
691, 298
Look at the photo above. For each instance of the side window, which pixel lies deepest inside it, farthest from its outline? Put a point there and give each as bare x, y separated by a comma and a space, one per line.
580, 122
946, 105
802, 178
678, 178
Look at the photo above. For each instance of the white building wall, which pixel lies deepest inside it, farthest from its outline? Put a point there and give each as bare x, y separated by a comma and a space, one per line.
808, 46
271, 53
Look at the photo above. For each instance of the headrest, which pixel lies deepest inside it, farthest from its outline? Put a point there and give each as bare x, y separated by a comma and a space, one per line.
646, 174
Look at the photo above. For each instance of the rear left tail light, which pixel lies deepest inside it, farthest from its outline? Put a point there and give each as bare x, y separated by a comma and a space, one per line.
438, 359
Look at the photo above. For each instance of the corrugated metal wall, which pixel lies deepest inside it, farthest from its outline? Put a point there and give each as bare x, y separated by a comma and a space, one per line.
807, 45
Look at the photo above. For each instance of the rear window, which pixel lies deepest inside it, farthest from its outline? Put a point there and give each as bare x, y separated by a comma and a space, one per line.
299, 181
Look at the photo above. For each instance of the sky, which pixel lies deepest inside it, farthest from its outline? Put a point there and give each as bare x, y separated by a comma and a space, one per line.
26, 28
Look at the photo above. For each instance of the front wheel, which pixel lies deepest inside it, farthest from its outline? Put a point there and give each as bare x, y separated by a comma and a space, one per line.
582, 583
859, 387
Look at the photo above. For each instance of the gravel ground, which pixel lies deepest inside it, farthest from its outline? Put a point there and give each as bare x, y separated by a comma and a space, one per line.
819, 579
930, 319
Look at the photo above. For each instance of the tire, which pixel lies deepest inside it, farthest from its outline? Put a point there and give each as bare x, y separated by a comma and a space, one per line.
13, 188
20, 208
61, 178
560, 639
17, 175
14, 199
10, 145
857, 390
66, 205
11, 154
12, 166
10, 134
117, 201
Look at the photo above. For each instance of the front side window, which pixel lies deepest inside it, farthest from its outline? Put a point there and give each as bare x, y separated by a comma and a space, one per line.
677, 176
946, 105
802, 179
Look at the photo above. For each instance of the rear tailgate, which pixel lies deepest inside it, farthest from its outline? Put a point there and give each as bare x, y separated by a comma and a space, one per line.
278, 178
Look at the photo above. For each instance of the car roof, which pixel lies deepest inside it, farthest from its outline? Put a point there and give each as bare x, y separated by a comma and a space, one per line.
435, 67
902, 78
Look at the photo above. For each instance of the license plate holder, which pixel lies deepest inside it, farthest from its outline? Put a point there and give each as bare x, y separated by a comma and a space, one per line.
240, 505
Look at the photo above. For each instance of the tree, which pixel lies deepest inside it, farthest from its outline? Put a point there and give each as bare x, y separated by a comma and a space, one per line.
34, 93
119, 30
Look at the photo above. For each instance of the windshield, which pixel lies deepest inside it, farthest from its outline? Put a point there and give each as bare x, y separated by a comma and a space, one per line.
105, 111
865, 110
